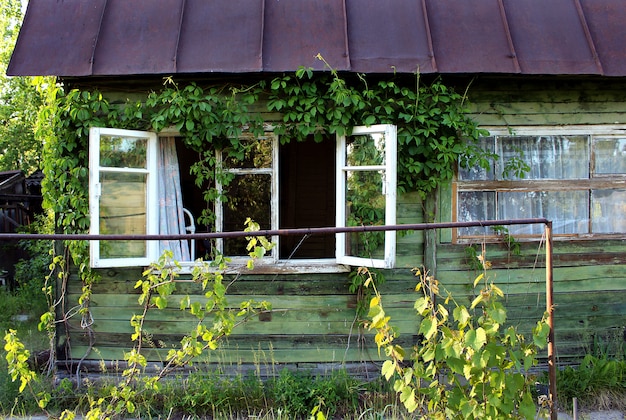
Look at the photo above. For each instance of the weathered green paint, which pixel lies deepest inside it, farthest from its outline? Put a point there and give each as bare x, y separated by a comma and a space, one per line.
314, 317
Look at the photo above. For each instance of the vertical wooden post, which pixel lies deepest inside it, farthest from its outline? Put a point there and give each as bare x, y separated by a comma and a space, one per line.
550, 310
431, 210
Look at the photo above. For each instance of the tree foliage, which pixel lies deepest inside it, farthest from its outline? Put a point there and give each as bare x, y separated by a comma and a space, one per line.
19, 101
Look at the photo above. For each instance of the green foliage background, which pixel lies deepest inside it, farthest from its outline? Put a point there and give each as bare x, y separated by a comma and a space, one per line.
19, 101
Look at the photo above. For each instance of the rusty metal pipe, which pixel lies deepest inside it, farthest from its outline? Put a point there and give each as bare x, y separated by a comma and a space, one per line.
275, 232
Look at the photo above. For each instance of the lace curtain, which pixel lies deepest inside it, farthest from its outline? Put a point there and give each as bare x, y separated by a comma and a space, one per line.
171, 214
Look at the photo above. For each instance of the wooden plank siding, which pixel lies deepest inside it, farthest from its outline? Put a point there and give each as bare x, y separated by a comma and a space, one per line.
314, 318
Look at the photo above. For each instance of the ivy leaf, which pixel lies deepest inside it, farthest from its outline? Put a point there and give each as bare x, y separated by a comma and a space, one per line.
370, 120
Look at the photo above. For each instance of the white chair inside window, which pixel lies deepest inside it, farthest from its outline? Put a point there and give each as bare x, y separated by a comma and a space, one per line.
190, 228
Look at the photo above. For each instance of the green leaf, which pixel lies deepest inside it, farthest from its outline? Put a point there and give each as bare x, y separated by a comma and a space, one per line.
421, 305
428, 327
407, 397
475, 338
370, 120
527, 407
497, 313
461, 316
540, 334
160, 302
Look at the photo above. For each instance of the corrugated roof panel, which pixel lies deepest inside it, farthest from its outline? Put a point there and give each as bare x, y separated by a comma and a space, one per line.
295, 31
135, 39
388, 35
607, 24
471, 36
57, 38
549, 37
221, 35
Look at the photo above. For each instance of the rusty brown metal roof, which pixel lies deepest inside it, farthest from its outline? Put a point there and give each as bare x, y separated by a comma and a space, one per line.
139, 37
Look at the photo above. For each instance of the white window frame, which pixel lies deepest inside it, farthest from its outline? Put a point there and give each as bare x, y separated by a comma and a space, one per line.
300, 265
272, 256
595, 180
95, 170
389, 187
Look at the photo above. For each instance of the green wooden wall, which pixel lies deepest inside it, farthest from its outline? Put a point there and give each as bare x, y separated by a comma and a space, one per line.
314, 318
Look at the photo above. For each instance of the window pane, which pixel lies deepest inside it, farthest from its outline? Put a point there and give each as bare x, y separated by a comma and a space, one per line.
365, 205
365, 150
123, 211
610, 155
474, 206
477, 173
248, 196
547, 157
257, 153
608, 211
568, 210
123, 152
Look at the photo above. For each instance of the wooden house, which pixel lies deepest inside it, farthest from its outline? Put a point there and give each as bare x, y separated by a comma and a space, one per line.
546, 79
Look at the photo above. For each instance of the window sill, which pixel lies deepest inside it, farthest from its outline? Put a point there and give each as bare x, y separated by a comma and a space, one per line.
280, 267
467, 240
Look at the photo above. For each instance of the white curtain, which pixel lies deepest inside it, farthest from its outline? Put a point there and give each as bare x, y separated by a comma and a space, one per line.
549, 157
171, 216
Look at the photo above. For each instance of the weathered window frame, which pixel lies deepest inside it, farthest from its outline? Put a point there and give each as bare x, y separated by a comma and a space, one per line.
595, 180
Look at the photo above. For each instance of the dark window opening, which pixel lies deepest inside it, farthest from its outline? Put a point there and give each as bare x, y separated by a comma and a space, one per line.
307, 196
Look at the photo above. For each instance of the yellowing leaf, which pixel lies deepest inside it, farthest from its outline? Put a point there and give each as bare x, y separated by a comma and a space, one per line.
497, 290
476, 301
388, 369
478, 279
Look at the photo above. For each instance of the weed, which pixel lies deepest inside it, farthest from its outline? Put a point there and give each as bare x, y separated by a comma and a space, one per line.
597, 382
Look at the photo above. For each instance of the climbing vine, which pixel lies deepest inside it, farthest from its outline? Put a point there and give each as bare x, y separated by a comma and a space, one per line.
466, 363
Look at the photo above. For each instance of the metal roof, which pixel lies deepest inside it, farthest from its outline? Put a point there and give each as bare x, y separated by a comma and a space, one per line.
139, 37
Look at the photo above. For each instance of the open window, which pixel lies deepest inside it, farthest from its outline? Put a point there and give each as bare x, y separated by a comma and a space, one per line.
340, 181
134, 189
123, 195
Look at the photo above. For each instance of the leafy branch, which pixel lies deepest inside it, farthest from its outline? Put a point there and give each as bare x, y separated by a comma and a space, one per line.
466, 363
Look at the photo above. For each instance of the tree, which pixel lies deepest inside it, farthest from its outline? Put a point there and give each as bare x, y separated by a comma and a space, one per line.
19, 100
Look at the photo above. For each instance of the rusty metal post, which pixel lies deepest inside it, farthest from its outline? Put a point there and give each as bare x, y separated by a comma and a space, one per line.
550, 310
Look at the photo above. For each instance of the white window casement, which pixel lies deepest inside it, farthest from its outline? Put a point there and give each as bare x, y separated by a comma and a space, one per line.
574, 176
252, 192
122, 195
344, 181
366, 194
